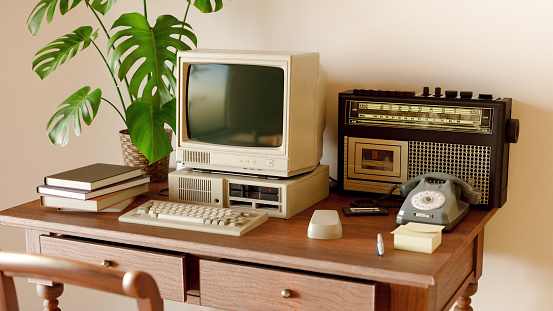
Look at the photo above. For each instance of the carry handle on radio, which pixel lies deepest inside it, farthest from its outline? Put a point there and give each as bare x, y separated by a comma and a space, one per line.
469, 194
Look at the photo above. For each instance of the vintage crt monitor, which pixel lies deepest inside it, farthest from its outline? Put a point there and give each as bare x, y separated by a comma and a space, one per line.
247, 115
252, 112
389, 137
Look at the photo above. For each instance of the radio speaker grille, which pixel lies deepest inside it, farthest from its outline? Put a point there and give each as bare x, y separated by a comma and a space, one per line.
194, 190
468, 162
196, 157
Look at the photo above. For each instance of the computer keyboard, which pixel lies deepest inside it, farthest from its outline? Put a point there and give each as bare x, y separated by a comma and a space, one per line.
195, 217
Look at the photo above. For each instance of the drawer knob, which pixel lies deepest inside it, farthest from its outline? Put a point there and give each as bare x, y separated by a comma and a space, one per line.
106, 263
286, 293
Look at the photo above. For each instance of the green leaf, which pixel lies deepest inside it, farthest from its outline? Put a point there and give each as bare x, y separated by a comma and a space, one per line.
171, 109
61, 50
82, 103
47, 7
103, 8
146, 128
205, 6
153, 49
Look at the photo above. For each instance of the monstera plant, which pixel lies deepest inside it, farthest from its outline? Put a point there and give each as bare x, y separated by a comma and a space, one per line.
140, 58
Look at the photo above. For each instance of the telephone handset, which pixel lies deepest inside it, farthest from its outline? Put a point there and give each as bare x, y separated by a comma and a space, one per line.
444, 203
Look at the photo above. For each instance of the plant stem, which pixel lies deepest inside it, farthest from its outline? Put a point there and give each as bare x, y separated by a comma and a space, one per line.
110, 71
186, 13
180, 36
114, 81
145, 10
119, 112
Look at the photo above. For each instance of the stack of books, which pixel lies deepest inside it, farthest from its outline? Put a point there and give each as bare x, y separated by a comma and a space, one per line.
96, 187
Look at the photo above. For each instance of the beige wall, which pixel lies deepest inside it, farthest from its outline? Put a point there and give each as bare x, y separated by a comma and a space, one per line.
500, 47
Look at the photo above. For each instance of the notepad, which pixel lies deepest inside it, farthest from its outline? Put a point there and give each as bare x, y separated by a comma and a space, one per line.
418, 237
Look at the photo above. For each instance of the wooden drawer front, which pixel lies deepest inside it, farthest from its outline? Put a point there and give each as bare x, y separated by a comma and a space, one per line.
167, 269
238, 287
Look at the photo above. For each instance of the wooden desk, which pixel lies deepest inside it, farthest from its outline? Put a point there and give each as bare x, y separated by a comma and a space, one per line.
276, 258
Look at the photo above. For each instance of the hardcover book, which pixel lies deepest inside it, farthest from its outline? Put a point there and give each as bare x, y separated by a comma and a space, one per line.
92, 177
115, 208
89, 194
95, 204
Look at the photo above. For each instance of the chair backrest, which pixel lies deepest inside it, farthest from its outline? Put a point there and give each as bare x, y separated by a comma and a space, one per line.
136, 284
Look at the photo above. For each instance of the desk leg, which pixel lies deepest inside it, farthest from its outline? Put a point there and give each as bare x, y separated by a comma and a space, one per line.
463, 303
50, 294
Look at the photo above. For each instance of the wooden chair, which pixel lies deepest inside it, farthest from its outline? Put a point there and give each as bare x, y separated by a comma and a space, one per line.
136, 284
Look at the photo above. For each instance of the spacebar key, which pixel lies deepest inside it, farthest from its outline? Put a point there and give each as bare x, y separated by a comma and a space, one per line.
181, 218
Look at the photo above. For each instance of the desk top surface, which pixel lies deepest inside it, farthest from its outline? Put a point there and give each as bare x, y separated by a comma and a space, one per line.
278, 242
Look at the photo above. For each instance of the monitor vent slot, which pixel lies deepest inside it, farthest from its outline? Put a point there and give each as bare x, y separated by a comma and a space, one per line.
196, 157
195, 190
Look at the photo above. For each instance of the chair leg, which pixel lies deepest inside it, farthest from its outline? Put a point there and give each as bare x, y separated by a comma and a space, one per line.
50, 295
8, 295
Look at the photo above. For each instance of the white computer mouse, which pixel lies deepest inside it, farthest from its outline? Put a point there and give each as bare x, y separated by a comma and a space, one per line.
325, 224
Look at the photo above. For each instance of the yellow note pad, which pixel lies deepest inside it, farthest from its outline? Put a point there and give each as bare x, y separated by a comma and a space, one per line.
418, 237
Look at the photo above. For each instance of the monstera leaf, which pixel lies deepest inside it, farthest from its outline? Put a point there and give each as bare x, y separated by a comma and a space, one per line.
102, 7
205, 5
153, 49
146, 128
82, 103
62, 49
47, 7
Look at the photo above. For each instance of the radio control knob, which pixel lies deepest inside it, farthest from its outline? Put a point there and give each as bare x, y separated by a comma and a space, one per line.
485, 96
450, 94
438, 92
426, 91
466, 94
512, 130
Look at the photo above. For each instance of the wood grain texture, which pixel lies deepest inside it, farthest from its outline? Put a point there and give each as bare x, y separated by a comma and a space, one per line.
168, 270
32, 238
238, 287
50, 294
408, 298
284, 244
463, 304
136, 284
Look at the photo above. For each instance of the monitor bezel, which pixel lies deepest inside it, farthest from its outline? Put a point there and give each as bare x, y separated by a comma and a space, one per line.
255, 59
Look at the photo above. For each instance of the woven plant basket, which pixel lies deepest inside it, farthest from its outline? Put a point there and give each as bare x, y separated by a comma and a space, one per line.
132, 157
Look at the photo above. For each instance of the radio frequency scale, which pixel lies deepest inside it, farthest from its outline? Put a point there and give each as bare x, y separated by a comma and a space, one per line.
389, 137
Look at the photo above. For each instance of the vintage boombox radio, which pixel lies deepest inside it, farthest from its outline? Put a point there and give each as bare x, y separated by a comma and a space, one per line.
389, 137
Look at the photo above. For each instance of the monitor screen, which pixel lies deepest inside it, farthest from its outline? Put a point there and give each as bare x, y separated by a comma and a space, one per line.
235, 104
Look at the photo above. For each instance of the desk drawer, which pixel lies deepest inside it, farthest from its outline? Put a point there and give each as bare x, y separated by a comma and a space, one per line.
167, 269
238, 287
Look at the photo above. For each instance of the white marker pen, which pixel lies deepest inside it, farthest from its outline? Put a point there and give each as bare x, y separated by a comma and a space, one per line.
379, 245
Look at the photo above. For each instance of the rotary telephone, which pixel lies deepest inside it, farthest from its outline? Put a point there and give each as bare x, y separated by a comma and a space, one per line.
439, 203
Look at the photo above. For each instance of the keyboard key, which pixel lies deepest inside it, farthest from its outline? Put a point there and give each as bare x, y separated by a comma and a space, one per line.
195, 217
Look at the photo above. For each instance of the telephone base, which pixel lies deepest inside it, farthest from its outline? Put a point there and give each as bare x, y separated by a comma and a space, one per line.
449, 225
